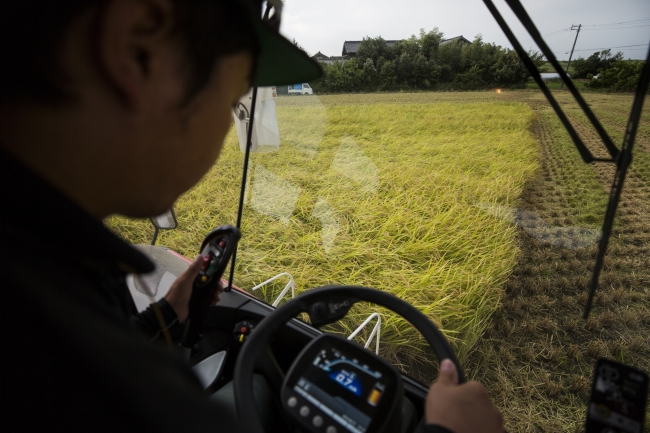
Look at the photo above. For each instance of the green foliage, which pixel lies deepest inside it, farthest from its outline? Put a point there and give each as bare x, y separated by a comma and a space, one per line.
422, 62
600, 60
296, 44
374, 48
622, 76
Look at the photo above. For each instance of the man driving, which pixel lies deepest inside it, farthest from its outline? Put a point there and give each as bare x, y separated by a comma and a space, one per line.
118, 107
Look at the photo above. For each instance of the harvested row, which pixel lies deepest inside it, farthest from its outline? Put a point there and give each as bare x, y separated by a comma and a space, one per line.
538, 353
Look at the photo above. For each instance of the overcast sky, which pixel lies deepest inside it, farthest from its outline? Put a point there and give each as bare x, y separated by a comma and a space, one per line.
323, 26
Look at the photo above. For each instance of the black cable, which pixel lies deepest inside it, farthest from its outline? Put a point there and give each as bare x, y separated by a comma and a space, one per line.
242, 191
582, 149
619, 178
528, 24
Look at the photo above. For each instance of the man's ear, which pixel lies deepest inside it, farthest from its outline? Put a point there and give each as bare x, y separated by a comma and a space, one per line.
131, 36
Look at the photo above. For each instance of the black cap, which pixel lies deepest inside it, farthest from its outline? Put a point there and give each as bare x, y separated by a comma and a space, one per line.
279, 61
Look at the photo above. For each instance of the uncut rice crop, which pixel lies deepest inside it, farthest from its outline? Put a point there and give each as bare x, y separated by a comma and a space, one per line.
387, 191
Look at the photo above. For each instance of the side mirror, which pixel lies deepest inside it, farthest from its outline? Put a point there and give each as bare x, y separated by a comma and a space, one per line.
166, 221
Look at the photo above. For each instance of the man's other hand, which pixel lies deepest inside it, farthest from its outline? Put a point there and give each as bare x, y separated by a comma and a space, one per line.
181, 290
462, 408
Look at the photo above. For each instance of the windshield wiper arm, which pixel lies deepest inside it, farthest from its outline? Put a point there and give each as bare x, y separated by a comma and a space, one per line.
619, 178
622, 157
586, 155
528, 24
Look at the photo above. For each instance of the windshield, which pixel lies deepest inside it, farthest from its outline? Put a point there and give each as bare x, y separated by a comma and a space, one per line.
474, 207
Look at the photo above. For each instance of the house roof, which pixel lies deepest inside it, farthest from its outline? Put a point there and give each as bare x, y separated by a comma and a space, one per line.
350, 47
456, 38
319, 55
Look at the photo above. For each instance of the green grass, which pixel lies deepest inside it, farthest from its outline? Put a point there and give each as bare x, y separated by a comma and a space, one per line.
585, 198
379, 190
547, 67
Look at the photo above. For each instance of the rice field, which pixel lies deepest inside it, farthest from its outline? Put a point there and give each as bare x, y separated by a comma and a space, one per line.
384, 191
475, 207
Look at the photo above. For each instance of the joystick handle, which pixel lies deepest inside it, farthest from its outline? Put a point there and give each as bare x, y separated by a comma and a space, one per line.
217, 248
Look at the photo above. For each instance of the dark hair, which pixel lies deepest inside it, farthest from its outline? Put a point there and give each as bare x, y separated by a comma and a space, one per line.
32, 31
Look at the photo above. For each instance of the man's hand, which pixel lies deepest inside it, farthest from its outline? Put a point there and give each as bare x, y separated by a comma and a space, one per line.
181, 290
462, 408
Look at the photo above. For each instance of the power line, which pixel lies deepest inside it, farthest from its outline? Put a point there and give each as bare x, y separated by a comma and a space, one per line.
608, 48
616, 28
568, 36
557, 32
630, 49
549, 34
617, 24
604, 26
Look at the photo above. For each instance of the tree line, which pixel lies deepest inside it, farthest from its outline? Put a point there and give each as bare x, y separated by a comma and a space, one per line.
422, 62
612, 72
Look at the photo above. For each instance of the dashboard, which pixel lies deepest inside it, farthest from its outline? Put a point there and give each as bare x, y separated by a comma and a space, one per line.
335, 386
349, 387
352, 392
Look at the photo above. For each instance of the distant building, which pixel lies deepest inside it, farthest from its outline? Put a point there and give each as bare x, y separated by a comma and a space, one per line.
322, 58
319, 56
350, 47
459, 39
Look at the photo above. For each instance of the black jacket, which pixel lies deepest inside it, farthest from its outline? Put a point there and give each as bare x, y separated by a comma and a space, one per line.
72, 358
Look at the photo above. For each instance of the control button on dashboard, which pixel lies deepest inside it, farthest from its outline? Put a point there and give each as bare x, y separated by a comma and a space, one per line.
292, 402
317, 421
331, 429
304, 411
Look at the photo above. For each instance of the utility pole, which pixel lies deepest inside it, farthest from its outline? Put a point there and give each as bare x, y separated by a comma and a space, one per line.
572, 48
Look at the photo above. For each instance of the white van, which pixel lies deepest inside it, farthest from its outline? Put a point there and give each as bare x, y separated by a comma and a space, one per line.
301, 89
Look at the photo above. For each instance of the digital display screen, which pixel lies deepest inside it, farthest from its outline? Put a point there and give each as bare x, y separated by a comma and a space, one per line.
618, 398
343, 387
348, 380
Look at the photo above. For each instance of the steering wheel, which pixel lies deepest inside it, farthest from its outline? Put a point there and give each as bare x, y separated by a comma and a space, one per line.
324, 305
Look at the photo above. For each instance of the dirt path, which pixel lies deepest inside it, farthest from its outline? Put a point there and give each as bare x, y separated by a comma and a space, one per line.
538, 354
